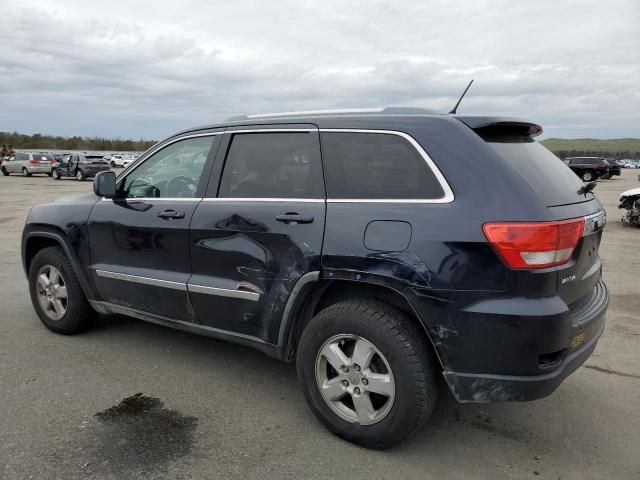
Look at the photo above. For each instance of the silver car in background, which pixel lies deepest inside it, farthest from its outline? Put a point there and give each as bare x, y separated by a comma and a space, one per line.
27, 163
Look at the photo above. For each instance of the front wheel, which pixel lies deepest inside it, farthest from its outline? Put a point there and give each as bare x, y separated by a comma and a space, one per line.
80, 175
113, 164
367, 372
56, 293
5, 172
57, 174
605, 176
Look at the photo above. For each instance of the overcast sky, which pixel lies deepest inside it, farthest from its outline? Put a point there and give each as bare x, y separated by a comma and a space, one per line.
136, 69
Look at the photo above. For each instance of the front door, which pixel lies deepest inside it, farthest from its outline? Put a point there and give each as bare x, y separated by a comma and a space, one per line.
139, 241
259, 230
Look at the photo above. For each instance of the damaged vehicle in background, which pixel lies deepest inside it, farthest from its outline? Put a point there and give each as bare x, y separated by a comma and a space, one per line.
360, 245
80, 166
630, 201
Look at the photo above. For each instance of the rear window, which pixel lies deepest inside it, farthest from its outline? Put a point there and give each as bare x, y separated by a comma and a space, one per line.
545, 173
376, 166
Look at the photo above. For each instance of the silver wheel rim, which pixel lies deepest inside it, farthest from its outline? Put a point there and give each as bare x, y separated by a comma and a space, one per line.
587, 177
79, 175
51, 290
355, 379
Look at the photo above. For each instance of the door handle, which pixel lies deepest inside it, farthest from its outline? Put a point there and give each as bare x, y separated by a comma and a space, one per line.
170, 214
292, 218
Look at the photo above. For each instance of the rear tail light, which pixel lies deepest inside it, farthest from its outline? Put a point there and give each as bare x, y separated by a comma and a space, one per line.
524, 245
33, 162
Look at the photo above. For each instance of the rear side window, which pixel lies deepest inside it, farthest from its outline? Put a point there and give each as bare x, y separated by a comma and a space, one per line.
273, 165
376, 166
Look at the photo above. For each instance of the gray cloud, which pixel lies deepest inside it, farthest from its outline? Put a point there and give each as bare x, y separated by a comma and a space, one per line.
144, 69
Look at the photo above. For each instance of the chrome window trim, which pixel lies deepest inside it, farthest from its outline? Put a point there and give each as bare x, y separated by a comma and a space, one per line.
142, 280
154, 199
448, 193
264, 199
223, 292
273, 130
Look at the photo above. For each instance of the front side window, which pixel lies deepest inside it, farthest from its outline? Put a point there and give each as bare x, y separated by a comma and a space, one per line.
376, 166
172, 172
273, 165
22, 156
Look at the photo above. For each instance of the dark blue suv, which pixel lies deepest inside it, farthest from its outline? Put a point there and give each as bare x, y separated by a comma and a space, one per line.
378, 250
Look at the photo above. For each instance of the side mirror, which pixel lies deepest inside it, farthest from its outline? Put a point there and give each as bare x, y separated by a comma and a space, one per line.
104, 185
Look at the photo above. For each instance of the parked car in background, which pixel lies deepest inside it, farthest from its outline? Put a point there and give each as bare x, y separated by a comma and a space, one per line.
337, 242
633, 164
128, 160
588, 168
27, 163
117, 160
80, 166
614, 169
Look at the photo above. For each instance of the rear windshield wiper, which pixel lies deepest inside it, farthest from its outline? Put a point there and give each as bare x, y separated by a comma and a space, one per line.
587, 188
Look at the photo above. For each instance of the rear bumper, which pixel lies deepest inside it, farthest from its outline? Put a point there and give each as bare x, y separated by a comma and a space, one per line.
584, 327
39, 168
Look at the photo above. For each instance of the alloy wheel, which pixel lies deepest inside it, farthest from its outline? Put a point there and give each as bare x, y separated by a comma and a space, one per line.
52, 292
355, 379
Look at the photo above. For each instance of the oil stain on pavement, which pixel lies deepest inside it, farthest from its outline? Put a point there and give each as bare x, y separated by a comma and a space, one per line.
136, 436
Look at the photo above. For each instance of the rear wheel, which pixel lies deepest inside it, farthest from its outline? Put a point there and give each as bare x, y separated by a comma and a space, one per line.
5, 172
50, 173
80, 175
588, 176
367, 373
56, 293
25, 172
113, 164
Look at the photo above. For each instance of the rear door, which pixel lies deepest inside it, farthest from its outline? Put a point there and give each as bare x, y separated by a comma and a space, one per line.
259, 229
139, 241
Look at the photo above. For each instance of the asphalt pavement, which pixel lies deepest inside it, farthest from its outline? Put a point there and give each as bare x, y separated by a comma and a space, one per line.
129, 399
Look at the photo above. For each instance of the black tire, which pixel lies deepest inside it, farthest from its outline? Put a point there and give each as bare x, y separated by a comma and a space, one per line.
5, 172
80, 175
79, 314
588, 176
407, 351
113, 164
50, 173
605, 176
25, 172
57, 174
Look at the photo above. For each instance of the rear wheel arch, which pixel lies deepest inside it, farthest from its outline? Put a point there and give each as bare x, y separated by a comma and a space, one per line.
319, 294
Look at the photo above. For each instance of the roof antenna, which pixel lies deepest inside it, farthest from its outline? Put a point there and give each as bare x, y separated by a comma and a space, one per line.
455, 109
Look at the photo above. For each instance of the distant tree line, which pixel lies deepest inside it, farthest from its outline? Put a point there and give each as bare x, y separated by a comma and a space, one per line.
39, 141
590, 153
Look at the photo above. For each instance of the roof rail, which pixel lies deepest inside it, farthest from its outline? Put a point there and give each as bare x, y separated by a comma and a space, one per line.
342, 111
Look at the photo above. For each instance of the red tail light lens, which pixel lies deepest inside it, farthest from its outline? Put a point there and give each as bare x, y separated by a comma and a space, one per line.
33, 161
534, 245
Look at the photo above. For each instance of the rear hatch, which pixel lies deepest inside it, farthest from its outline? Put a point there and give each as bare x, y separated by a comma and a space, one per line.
42, 158
560, 191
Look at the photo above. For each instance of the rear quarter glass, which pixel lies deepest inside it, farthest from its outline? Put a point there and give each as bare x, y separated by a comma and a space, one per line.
547, 175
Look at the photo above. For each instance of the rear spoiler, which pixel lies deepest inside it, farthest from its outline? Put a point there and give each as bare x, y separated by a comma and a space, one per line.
501, 125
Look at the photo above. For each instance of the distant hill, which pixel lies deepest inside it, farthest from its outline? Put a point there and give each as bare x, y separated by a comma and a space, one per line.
614, 148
